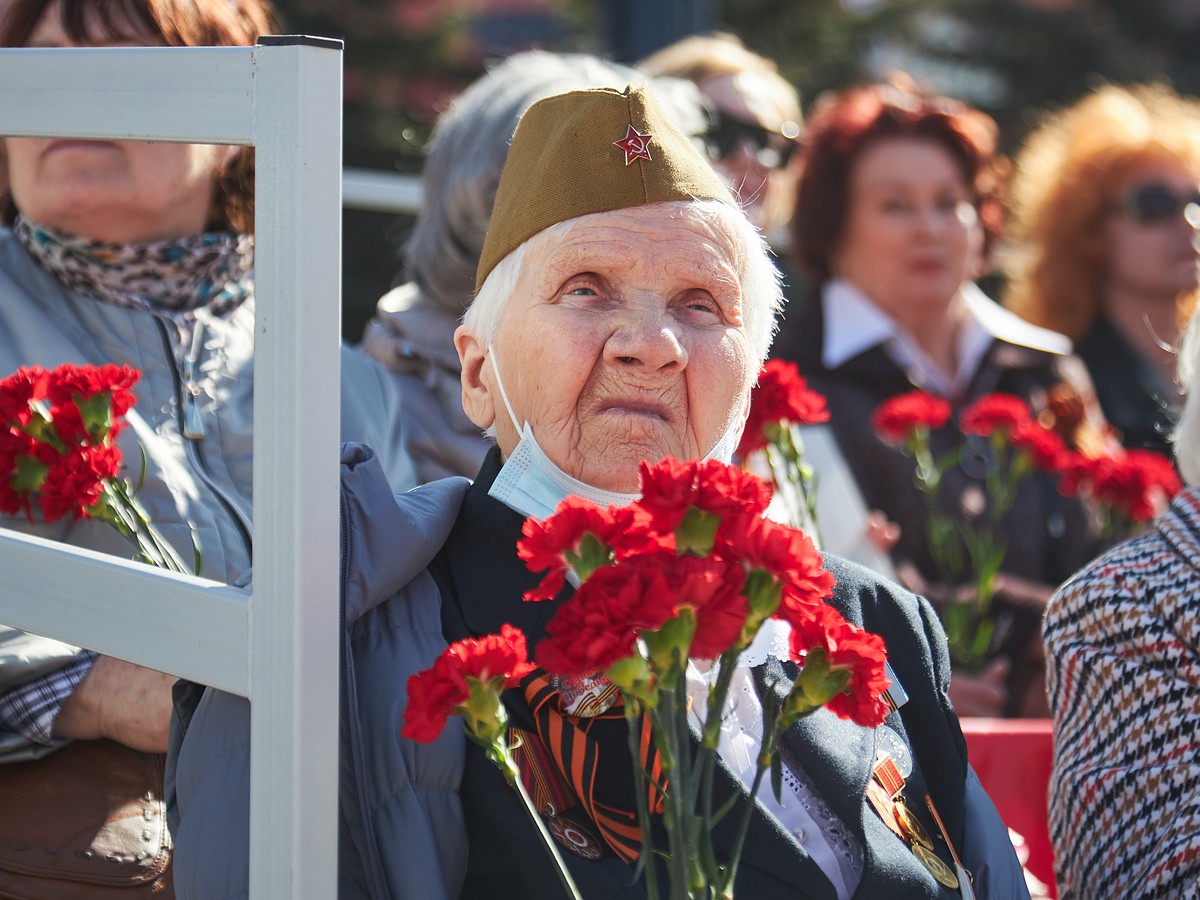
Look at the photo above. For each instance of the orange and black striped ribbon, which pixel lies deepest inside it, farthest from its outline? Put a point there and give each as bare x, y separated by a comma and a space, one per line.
574, 759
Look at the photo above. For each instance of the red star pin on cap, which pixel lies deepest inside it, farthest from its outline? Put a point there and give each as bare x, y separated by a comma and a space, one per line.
636, 146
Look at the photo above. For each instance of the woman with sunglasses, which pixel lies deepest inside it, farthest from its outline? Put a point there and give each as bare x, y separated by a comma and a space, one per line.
890, 217
1105, 216
755, 121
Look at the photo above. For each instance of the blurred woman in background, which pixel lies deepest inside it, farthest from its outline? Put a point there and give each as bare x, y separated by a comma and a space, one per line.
1106, 207
142, 253
756, 121
888, 224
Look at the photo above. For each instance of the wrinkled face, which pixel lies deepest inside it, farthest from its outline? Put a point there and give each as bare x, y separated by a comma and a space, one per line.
1151, 235
908, 239
115, 191
623, 341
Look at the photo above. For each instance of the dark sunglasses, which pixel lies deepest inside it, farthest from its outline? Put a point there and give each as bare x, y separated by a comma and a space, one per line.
773, 148
1153, 204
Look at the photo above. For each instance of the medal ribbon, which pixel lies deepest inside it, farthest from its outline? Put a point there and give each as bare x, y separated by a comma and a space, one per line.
570, 764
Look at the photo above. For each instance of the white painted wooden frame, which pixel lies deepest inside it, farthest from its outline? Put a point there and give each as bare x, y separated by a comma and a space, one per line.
279, 645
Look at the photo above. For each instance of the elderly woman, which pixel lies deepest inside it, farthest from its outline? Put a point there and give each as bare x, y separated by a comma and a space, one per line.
142, 254
625, 305
888, 224
412, 332
1106, 207
1122, 648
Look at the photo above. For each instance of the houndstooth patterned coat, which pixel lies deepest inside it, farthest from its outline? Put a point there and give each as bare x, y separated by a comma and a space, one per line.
1123, 652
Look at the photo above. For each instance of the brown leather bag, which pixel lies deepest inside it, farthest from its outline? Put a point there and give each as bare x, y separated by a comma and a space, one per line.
87, 822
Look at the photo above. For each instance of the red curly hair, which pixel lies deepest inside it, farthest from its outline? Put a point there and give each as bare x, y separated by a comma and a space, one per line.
843, 124
1066, 180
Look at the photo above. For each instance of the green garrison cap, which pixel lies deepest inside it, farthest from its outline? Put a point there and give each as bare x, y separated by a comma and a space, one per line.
586, 152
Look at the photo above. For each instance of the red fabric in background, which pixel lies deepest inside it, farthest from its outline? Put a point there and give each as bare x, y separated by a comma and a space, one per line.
1012, 759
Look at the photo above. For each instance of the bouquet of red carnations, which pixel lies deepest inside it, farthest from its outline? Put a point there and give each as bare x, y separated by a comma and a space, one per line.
1124, 488
58, 453
687, 574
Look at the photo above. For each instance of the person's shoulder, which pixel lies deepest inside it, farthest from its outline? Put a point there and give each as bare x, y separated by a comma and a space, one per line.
877, 603
1129, 573
869, 587
1009, 328
389, 538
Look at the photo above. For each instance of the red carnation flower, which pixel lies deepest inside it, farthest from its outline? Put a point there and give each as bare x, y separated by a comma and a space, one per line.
88, 402
848, 648
787, 553
598, 625
1138, 484
437, 692
1075, 473
1045, 447
502, 655
712, 587
781, 396
670, 487
992, 412
75, 481
556, 545
432, 696
18, 391
896, 419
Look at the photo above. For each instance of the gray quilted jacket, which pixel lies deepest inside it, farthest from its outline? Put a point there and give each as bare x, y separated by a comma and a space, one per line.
205, 480
402, 835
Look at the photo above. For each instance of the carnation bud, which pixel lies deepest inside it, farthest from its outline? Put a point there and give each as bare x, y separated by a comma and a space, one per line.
634, 678
697, 532
667, 648
762, 593
483, 713
817, 684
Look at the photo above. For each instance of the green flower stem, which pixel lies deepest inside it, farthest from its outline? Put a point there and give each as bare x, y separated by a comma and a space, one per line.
708, 758
641, 782
735, 856
135, 524
664, 721
560, 864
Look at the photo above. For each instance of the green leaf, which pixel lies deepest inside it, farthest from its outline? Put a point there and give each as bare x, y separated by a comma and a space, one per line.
777, 776
28, 474
96, 413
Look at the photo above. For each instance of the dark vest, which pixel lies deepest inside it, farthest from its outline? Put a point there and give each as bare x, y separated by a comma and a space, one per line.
1048, 536
1130, 390
481, 581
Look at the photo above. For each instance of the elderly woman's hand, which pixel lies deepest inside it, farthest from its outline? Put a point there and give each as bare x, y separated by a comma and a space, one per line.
120, 701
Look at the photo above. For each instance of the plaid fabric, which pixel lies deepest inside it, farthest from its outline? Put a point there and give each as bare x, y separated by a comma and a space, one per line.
29, 709
1123, 647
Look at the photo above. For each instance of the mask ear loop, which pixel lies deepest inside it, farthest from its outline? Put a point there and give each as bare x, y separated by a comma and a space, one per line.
503, 394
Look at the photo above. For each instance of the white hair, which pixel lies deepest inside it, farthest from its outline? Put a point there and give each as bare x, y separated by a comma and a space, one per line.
1186, 437
759, 278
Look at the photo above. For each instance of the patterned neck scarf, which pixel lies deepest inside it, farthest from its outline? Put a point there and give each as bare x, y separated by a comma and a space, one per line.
212, 271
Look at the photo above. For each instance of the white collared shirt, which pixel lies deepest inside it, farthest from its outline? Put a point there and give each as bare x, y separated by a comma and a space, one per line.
801, 810
855, 324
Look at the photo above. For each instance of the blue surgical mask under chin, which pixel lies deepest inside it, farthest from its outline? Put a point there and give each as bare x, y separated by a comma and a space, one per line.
531, 484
